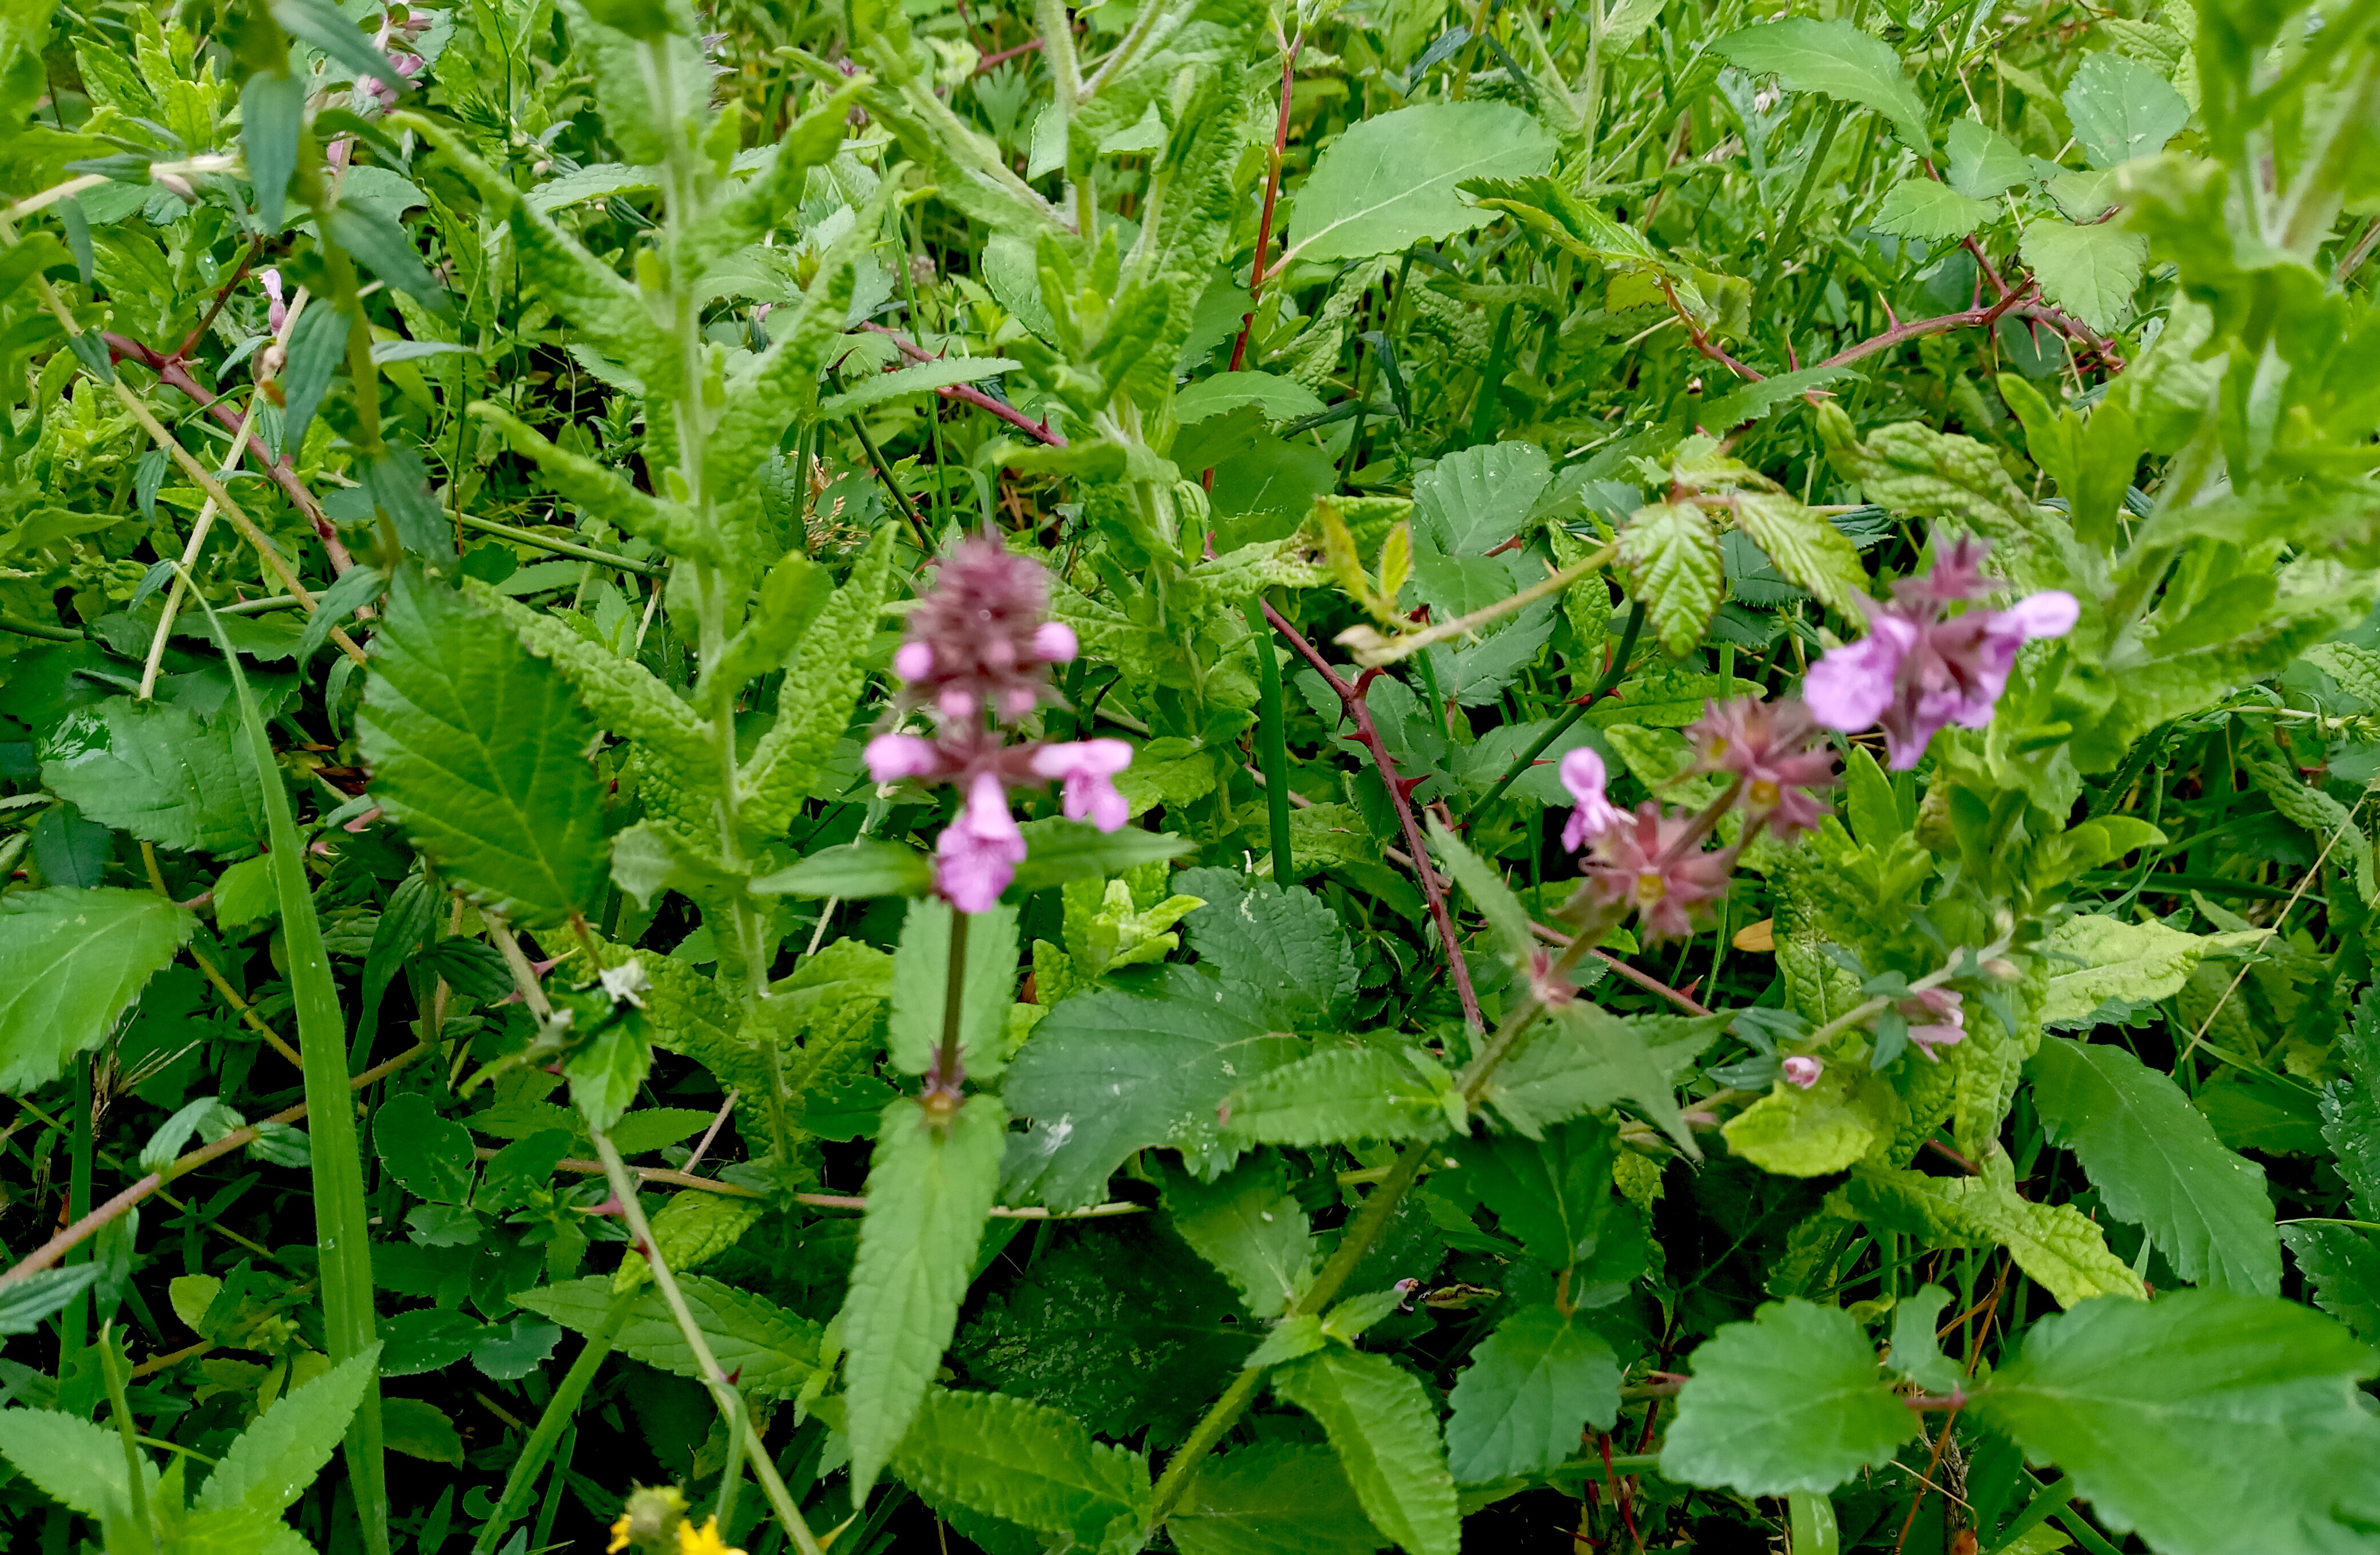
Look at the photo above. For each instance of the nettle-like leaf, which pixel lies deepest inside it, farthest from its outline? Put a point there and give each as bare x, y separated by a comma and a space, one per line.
1248, 1225
1381, 1425
1791, 1401
1027, 1463
76, 959
1673, 558
1390, 181
1533, 1386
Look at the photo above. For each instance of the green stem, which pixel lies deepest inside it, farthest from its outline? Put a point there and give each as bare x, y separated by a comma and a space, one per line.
74, 1322
560, 1411
947, 1073
135, 1480
1612, 675
1272, 744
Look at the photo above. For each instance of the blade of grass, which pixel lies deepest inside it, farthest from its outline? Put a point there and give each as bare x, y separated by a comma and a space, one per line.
1272, 748
340, 1218
560, 1411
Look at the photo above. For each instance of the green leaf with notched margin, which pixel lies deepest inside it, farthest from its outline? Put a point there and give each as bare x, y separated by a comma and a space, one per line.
1792, 1401
1273, 1498
1931, 212
822, 684
1571, 1066
2062, 1250
26, 1304
2121, 109
478, 750
767, 1349
1835, 59
1389, 181
1342, 1095
1805, 548
1533, 1386
1285, 946
1671, 557
691, 1230
1007, 1457
75, 958
604, 492
273, 1461
2343, 1267
2138, 1401
1551, 1194
1111, 1072
152, 770
2350, 1107
1488, 891
1476, 499
2088, 271
79, 1464
2156, 1163
429, 1155
1910, 466
1249, 1225
1384, 1429
2092, 960
930, 1188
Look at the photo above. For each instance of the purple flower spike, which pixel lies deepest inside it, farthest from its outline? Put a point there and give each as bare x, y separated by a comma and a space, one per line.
891, 758
1581, 772
1801, 1072
1766, 746
978, 852
1917, 671
1649, 862
1943, 1016
277, 314
986, 648
1089, 767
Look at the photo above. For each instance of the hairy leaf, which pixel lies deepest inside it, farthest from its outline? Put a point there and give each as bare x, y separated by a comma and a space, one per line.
76, 959
1382, 1426
1792, 1401
1533, 1386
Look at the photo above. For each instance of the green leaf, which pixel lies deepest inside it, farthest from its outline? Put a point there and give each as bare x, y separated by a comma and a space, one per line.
1274, 1498
2343, 1267
1747, 403
1931, 212
276, 1458
1792, 1401
1476, 499
1837, 60
1551, 1194
25, 1302
1342, 1095
768, 1349
1916, 1350
1248, 1224
1488, 891
820, 689
2136, 1400
1389, 181
1284, 945
921, 378
386, 250
1533, 1386
429, 1154
2357, 670
2121, 109
320, 22
1672, 558
930, 1188
152, 770
1585, 1063
855, 870
1385, 1430
1026, 1462
1805, 548
922, 986
2350, 1110
2088, 271
2096, 961
77, 1463
478, 750
2061, 1249
2156, 1163
1062, 850
691, 1230
75, 958
1981, 162
421, 1429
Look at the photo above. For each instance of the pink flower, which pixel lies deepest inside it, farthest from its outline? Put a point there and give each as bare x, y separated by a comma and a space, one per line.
891, 758
1650, 862
978, 642
1802, 1072
1088, 769
1548, 987
1945, 1018
1582, 774
1765, 744
1917, 671
277, 314
978, 852
1054, 642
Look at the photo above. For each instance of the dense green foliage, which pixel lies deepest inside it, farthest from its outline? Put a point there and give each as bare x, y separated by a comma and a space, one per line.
938, 773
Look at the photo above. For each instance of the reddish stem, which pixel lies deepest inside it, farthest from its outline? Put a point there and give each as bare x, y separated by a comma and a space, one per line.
1352, 699
254, 246
991, 61
1272, 193
968, 394
174, 375
1622, 1491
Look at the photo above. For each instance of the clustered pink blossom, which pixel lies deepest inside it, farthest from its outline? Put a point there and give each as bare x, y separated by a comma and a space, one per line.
976, 663
1919, 669
1937, 1018
1652, 861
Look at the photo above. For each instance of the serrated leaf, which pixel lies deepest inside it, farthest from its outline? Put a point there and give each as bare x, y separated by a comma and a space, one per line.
2343, 1267
1247, 1224
2121, 109
2062, 1250
2350, 1107
2136, 1399
1805, 548
429, 1155
1671, 557
24, 1303
1792, 1401
1108, 1073
1476, 499
76, 1463
1576, 1064
1551, 1194
1488, 891
1276, 1498
273, 1461
1532, 1388
691, 1230
1930, 212
1389, 181
1025, 1462
930, 1188
1285, 946
1342, 1095
1383, 1427
75, 959
1916, 1350
768, 1349
1839, 60
2093, 958
2357, 670
2156, 1163
823, 682
478, 750
1981, 162
2088, 271
921, 379
152, 770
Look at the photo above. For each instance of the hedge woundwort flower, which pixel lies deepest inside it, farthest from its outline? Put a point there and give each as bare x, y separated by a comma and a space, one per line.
977, 662
1766, 745
1802, 1071
1943, 1016
1917, 670
1582, 774
1654, 864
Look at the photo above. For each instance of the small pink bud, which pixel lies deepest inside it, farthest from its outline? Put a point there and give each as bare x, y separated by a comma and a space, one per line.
1053, 643
913, 661
1802, 1071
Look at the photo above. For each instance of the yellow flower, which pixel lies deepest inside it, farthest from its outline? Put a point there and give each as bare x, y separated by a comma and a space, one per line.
707, 1542
619, 1536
